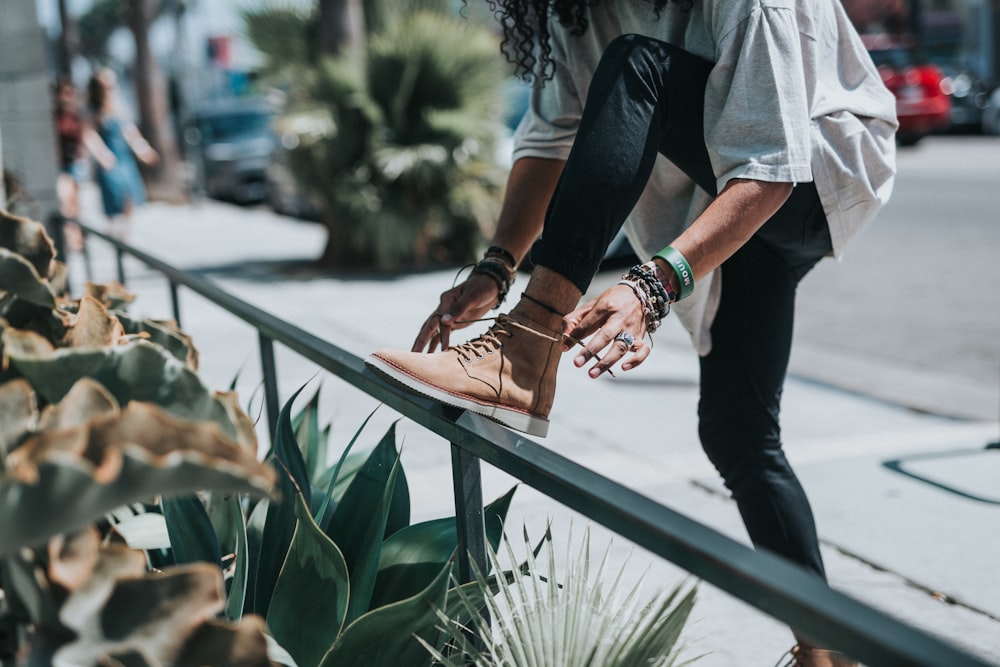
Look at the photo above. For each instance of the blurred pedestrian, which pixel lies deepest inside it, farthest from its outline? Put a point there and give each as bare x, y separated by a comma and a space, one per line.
112, 140
744, 140
73, 173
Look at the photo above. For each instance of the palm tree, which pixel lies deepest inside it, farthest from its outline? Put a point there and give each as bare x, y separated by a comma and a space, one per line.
154, 113
397, 144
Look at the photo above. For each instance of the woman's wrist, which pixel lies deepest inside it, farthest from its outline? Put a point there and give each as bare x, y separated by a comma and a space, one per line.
681, 270
666, 277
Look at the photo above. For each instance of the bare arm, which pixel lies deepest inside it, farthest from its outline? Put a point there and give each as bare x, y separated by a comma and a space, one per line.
146, 154
529, 188
98, 149
733, 217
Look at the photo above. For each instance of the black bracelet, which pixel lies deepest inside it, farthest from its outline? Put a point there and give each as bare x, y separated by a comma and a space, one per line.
503, 253
500, 274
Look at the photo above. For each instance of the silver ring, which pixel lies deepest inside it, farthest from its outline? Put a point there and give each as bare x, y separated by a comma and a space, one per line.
626, 338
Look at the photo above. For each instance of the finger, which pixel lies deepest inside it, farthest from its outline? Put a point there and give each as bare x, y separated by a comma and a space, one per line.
428, 336
616, 350
597, 342
640, 352
446, 323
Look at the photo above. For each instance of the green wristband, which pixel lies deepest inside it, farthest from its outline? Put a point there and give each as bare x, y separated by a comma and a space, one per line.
685, 275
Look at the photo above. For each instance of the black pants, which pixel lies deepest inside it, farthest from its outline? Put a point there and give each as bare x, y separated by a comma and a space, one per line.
646, 97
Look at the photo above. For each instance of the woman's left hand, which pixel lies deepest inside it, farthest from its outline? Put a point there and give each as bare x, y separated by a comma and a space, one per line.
609, 321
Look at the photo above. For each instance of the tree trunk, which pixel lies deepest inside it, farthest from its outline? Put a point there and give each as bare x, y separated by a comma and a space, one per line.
165, 179
341, 27
69, 42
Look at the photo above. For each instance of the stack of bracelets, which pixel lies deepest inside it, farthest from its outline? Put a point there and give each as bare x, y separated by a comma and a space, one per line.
499, 265
656, 295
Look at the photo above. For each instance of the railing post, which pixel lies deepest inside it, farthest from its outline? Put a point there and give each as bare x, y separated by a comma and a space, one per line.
88, 267
120, 261
467, 479
175, 303
270, 382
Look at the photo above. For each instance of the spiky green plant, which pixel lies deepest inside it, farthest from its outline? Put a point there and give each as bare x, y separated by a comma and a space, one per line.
339, 542
569, 617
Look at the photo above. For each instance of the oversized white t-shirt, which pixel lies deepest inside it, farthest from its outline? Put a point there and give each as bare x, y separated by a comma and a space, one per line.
793, 97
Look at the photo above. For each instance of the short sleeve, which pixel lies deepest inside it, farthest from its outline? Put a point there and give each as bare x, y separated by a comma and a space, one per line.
757, 123
549, 126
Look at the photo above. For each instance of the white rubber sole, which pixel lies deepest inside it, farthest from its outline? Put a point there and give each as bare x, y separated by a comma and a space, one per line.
519, 421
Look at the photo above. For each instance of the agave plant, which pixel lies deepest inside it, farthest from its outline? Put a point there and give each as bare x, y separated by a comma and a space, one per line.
399, 147
571, 617
339, 543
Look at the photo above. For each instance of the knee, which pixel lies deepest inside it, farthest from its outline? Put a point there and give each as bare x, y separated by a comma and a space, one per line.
634, 51
740, 452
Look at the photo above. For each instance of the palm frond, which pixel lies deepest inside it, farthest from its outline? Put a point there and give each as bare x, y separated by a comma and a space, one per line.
282, 32
571, 617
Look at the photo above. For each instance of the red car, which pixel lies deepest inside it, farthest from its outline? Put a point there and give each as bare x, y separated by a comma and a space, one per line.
923, 105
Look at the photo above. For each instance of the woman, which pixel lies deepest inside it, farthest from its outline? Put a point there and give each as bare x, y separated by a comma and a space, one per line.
739, 141
112, 141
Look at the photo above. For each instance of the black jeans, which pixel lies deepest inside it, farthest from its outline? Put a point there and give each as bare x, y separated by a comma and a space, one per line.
647, 97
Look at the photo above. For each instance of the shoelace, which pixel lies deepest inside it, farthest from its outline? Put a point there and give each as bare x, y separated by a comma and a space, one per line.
490, 341
797, 656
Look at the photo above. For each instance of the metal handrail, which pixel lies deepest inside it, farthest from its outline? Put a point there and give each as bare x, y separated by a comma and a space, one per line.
771, 584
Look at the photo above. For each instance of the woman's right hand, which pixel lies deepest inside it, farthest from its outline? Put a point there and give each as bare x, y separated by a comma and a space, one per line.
458, 308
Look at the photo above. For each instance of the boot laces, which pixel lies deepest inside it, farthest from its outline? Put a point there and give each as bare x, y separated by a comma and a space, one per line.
489, 342
802, 656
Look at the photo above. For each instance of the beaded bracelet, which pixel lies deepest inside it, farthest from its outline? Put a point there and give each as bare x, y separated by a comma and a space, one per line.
650, 292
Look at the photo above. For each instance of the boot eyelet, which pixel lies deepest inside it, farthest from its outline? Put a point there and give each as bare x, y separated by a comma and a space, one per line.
479, 356
468, 360
490, 351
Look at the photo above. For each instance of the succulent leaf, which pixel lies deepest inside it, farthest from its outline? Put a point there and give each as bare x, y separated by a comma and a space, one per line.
387, 635
18, 413
27, 238
60, 480
314, 577
136, 371
19, 277
92, 326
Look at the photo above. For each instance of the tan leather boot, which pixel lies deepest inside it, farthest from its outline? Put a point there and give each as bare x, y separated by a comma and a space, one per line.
806, 655
507, 374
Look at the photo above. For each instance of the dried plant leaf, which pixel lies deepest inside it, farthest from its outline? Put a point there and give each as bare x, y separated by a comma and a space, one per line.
27, 237
112, 294
165, 333
60, 480
85, 400
18, 412
157, 613
19, 277
59, 279
92, 326
136, 371
113, 563
246, 434
73, 558
223, 644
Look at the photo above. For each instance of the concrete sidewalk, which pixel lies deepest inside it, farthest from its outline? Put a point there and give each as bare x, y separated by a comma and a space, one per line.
906, 502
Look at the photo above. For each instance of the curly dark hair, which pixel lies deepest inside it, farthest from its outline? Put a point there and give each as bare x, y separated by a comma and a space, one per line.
526, 39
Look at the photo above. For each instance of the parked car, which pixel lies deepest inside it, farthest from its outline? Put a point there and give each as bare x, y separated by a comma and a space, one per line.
991, 114
969, 93
923, 105
231, 145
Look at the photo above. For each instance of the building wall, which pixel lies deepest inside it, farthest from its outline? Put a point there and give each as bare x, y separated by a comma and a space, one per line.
28, 148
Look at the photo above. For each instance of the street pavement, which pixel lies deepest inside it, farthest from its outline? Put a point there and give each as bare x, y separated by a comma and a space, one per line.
905, 496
